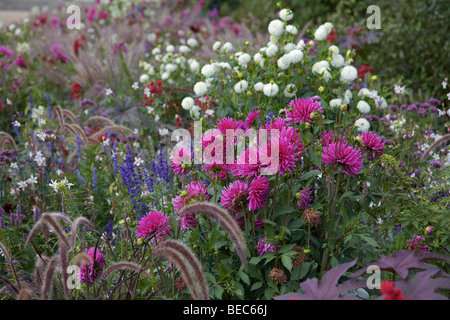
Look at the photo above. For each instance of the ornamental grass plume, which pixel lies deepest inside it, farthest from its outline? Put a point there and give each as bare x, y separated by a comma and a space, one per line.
341, 154
191, 270
226, 222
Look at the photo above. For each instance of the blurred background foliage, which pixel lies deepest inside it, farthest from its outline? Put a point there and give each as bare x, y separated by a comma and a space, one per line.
413, 44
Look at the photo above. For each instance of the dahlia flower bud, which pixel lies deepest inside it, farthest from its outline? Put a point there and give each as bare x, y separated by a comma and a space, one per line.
312, 217
429, 230
278, 275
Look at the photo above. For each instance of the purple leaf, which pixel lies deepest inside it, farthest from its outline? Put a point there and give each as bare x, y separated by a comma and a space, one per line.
403, 261
327, 288
422, 287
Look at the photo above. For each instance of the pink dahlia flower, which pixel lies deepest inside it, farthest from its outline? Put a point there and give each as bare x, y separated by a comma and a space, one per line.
251, 118
235, 196
89, 273
197, 191
372, 144
302, 110
340, 153
303, 199
259, 190
263, 247
156, 224
180, 156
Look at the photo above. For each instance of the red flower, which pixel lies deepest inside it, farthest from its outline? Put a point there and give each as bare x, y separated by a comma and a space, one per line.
332, 37
390, 292
76, 91
362, 70
77, 44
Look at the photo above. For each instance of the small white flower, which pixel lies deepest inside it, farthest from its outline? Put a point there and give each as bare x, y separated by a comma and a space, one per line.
348, 74
42, 136
200, 88
321, 33
364, 92
16, 123
135, 86
320, 67
448, 96
54, 185
8, 102
363, 107
258, 86
275, 27
227, 47
301, 44
337, 61
59, 172
32, 180
362, 125
195, 112
289, 47
291, 29
150, 109
192, 42
271, 50
208, 70
42, 121
144, 78
138, 161
399, 89
444, 84
241, 86
170, 48
108, 91
286, 14
290, 90
156, 51
187, 103
335, 103
270, 89
14, 165
244, 59
106, 142
193, 65
22, 184
184, 49
164, 132
210, 112
333, 50
216, 46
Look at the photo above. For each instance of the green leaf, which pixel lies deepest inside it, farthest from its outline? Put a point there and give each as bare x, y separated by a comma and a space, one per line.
256, 286
287, 261
310, 174
244, 277
286, 248
369, 240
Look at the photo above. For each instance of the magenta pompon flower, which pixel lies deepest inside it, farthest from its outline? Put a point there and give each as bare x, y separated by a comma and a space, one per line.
259, 190
196, 191
235, 196
372, 144
303, 199
154, 223
89, 273
251, 118
340, 153
263, 246
302, 108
